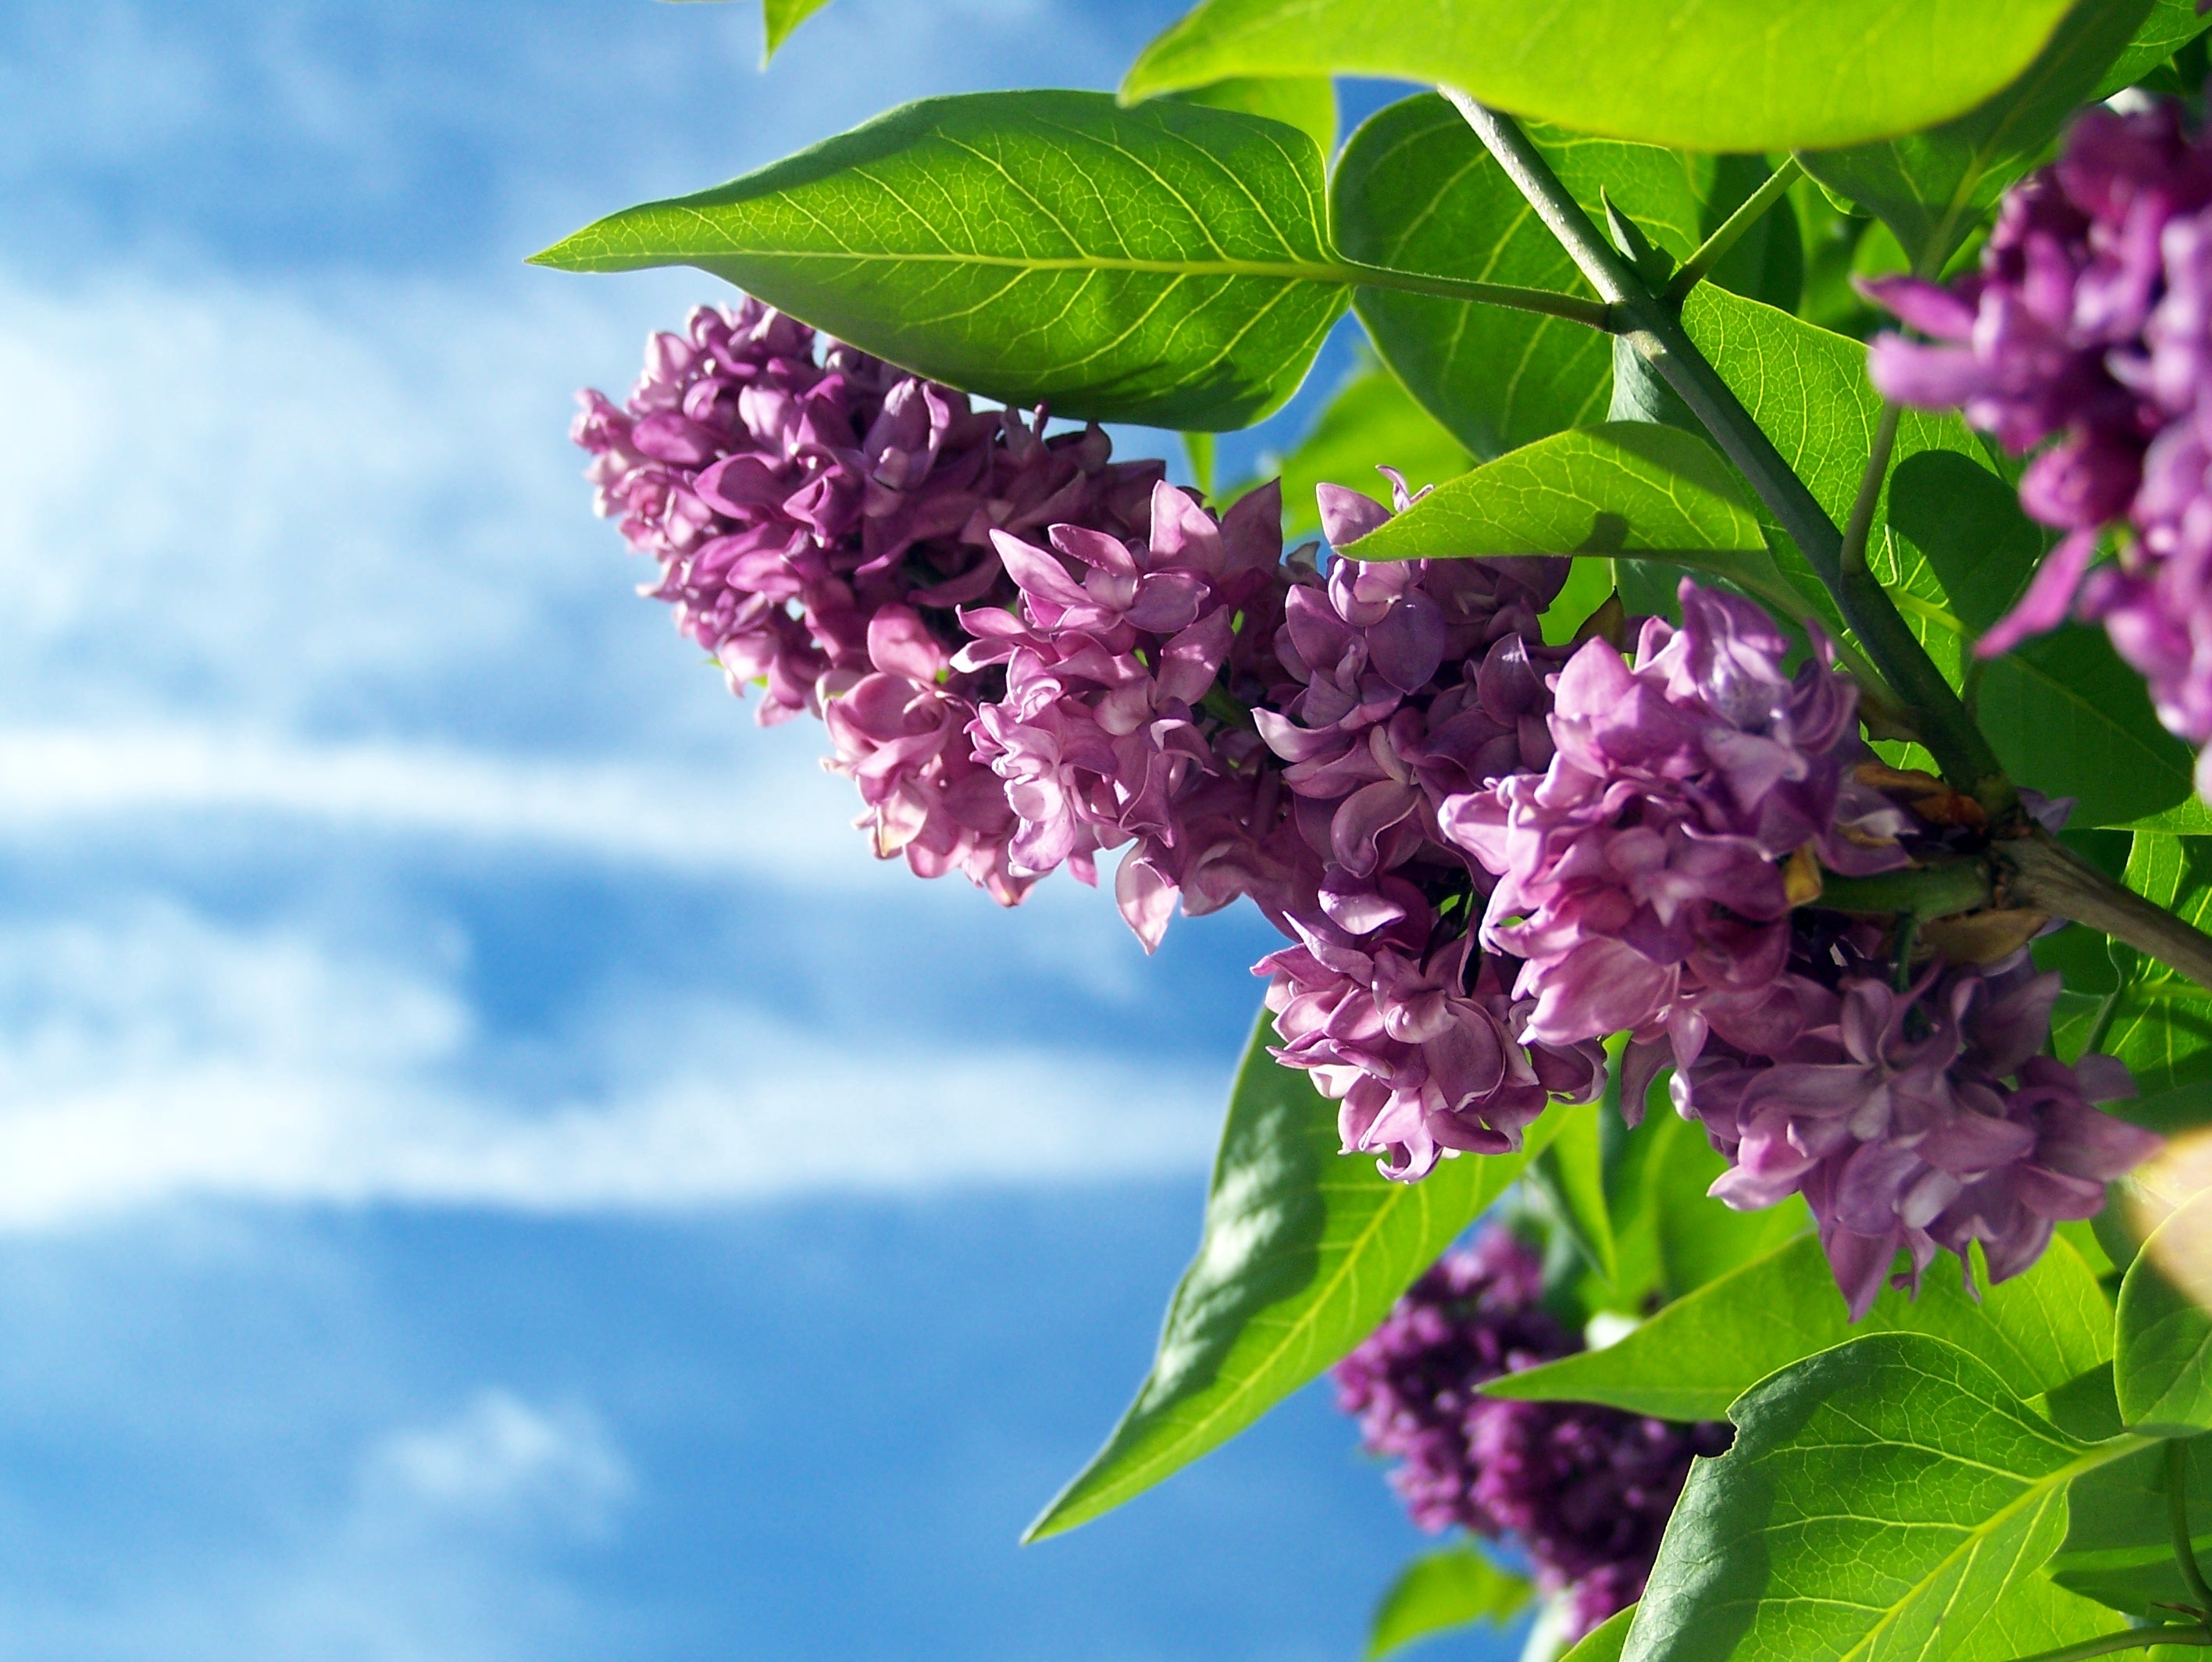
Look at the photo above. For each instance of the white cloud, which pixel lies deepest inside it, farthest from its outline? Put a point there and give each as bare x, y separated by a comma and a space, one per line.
153, 1055
502, 1460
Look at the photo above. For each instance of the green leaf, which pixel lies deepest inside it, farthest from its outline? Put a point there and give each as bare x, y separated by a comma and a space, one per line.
1307, 102
1698, 1354
1415, 190
1933, 188
1166, 264
2172, 25
1441, 1590
1303, 1252
2163, 1369
1572, 1174
2064, 715
1603, 1642
1881, 1499
780, 17
1621, 488
2119, 1542
2161, 1024
1370, 419
2036, 1616
1698, 1240
1701, 74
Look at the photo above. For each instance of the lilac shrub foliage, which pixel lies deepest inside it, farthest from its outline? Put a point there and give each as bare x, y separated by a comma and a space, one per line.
1487, 854
2088, 324
1584, 1491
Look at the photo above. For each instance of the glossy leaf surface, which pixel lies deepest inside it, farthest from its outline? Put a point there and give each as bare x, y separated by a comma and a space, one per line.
1697, 1355
1303, 1251
1167, 264
1603, 1642
1306, 102
1701, 74
2163, 1371
2160, 1024
1440, 1590
780, 17
1932, 188
2172, 25
1881, 1502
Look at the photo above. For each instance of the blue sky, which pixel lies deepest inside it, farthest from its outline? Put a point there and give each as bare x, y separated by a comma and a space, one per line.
488, 1167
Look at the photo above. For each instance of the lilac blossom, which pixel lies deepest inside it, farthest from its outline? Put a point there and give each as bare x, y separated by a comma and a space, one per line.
817, 523
1584, 1491
1640, 875
1913, 1120
1405, 683
2088, 326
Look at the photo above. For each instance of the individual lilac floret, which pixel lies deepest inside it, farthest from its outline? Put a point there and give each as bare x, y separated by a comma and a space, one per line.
1640, 876
2090, 323
1916, 1120
1584, 1491
817, 523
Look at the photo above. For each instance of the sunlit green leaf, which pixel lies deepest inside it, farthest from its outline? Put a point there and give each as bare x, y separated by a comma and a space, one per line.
2160, 1022
1440, 1590
1167, 264
1603, 1642
1304, 1251
780, 17
1701, 75
1931, 188
1696, 1355
1572, 1174
1307, 102
1697, 1239
1882, 1499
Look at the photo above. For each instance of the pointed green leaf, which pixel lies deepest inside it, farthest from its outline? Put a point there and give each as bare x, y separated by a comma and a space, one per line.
2163, 1368
1698, 1354
1881, 1500
2172, 25
1621, 489
1307, 102
1441, 1590
780, 17
1416, 191
1304, 1251
1700, 75
1167, 264
1932, 188
1697, 1239
2119, 1542
1603, 1642
1370, 419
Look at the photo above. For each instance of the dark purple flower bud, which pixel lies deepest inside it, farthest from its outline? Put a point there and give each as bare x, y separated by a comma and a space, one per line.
1584, 1491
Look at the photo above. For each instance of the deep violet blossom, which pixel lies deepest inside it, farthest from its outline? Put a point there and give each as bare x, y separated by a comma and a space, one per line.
2089, 324
1585, 1491
1914, 1119
1641, 875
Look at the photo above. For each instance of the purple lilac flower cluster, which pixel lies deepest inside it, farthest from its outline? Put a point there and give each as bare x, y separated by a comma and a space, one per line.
1584, 1491
2089, 322
1910, 1118
1488, 853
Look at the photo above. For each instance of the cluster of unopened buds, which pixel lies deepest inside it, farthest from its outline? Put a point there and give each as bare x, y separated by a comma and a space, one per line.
1487, 854
1584, 1491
